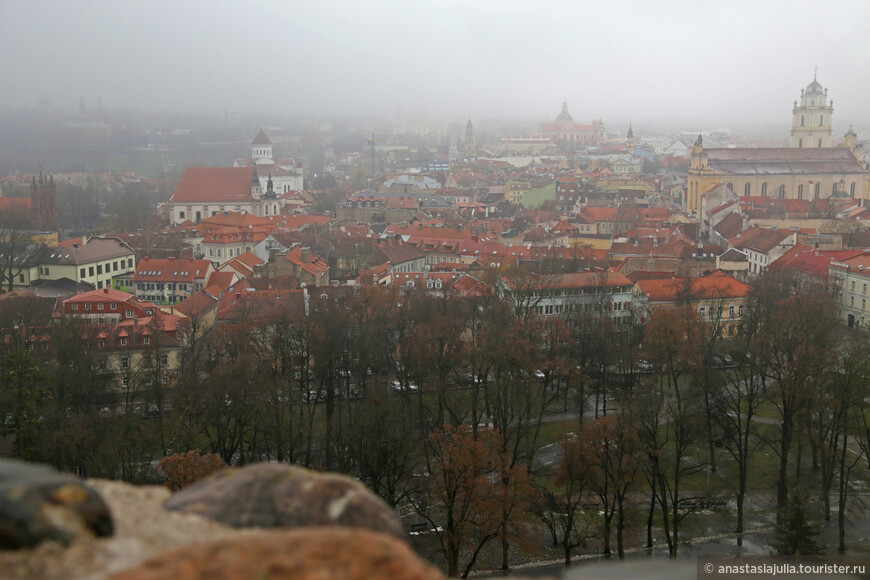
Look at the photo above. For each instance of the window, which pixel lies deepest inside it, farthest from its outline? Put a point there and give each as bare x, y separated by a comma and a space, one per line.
123, 341
818, 185
164, 359
820, 142
75, 307
101, 342
181, 215
146, 340
99, 269
21, 278
740, 310
864, 291
731, 311
853, 285
764, 188
90, 270
125, 382
125, 362
115, 266
852, 190
821, 122
88, 306
100, 306
800, 191
130, 263
102, 364
746, 190
81, 272
129, 314
803, 120
702, 311
800, 143
781, 191
165, 379
113, 306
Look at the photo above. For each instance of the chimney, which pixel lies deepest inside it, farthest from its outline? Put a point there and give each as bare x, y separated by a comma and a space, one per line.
306, 255
106, 290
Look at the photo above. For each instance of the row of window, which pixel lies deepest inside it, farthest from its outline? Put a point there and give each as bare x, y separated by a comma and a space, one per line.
864, 289
711, 312
113, 267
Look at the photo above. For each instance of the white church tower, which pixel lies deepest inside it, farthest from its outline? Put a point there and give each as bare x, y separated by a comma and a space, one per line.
261, 148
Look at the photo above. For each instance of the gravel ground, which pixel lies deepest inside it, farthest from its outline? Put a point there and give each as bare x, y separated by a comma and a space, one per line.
142, 529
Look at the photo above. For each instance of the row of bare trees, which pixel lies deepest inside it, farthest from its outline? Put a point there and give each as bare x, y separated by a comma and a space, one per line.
438, 403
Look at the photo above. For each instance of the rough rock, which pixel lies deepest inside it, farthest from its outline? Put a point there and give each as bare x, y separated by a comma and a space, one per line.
143, 529
270, 495
305, 554
38, 503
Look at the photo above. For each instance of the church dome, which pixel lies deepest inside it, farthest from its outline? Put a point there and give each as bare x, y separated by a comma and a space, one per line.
815, 87
564, 116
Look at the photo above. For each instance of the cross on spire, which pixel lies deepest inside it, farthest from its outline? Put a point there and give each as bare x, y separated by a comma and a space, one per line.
815, 72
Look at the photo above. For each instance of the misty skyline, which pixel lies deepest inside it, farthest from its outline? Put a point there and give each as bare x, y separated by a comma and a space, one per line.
685, 64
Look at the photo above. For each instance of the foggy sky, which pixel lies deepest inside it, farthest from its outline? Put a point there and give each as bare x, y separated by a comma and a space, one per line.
699, 64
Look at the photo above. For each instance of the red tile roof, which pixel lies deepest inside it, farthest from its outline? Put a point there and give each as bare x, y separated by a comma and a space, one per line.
214, 185
170, 270
715, 285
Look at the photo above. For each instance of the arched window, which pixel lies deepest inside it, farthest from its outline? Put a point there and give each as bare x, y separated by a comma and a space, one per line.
731, 186
781, 191
834, 188
802, 120
181, 214
821, 120
801, 191
764, 188
198, 217
800, 143
820, 142
746, 190
818, 188
852, 190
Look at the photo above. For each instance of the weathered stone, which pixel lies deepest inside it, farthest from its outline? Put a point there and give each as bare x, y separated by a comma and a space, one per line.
38, 503
272, 495
304, 554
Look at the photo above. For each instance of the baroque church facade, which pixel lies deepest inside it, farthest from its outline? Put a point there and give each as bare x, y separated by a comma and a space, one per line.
809, 169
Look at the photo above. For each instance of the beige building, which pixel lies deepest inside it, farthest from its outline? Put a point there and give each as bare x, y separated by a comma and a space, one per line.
812, 118
809, 169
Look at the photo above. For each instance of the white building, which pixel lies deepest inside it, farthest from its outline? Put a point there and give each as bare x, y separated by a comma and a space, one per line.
286, 175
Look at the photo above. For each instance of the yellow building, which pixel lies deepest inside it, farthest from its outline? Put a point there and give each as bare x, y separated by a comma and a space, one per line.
809, 169
514, 190
779, 173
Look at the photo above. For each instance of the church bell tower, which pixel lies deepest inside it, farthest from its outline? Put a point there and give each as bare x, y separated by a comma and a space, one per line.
811, 117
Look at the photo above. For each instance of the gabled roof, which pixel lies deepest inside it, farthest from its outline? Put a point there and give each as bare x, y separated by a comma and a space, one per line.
214, 185
196, 304
763, 240
783, 161
261, 139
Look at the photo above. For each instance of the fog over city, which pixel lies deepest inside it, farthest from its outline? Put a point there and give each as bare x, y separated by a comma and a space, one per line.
666, 63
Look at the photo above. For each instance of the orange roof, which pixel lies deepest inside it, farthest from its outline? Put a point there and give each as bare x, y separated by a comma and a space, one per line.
715, 285
214, 184
315, 265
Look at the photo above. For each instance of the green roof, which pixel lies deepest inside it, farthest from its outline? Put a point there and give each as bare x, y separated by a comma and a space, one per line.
533, 199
